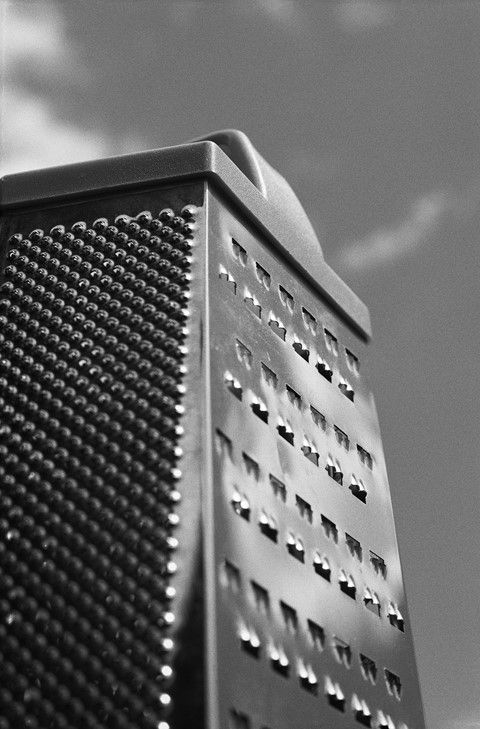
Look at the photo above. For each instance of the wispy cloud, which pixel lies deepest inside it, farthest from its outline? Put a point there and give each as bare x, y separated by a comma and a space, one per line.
36, 46
362, 15
34, 137
287, 15
35, 33
387, 244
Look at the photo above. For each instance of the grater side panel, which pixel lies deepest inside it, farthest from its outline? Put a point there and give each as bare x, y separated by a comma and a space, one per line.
309, 590
101, 611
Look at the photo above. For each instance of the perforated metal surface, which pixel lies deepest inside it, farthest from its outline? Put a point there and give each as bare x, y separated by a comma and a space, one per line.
311, 615
92, 344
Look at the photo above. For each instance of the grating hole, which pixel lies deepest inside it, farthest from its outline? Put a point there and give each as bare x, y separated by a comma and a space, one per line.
372, 601
330, 529
278, 488
249, 641
386, 722
354, 546
289, 616
295, 547
378, 564
394, 685
285, 430
352, 362
346, 389
304, 508
268, 526
301, 348
239, 252
395, 617
269, 376
361, 711
233, 385
342, 651
310, 451
294, 397
322, 567
232, 576
241, 505
279, 661
368, 668
251, 466
227, 277
308, 679
286, 298
342, 438
331, 342
324, 369
238, 720
277, 327
358, 489
223, 443
244, 354
262, 275
259, 408
309, 321
334, 470
252, 303
365, 457
347, 585
318, 418
261, 597
317, 635
335, 695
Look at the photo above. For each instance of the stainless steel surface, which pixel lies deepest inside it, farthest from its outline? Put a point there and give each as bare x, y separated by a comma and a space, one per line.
290, 608
310, 552
200, 160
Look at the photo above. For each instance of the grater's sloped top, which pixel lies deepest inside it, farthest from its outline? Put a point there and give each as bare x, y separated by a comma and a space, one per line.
270, 182
228, 160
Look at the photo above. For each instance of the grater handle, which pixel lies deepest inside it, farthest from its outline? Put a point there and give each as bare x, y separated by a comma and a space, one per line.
267, 180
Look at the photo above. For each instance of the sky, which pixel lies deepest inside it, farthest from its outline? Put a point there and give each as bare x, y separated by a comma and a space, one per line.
370, 110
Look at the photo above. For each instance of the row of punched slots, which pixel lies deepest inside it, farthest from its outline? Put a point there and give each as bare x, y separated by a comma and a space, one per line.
294, 544
245, 356
287, 300
259, 408
241, 720
330, 528
342, 651
280, 330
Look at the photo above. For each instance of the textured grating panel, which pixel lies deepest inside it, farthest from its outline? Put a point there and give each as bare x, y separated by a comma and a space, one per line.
310, 599
91, 350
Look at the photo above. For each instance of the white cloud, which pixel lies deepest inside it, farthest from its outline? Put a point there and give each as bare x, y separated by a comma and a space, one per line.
35, 44
288, 15
362, 15
387, 244
35, 33
284, 12
34, 137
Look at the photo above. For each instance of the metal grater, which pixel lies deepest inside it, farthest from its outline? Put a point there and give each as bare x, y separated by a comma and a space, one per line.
195, 520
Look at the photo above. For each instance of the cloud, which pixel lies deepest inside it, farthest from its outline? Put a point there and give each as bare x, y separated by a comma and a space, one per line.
288, 15
362, 15
387, 244
35, 33
36, 47
34, 137
284, 12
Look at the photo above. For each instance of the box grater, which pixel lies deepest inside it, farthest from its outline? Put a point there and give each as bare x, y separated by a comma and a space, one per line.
195, 521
